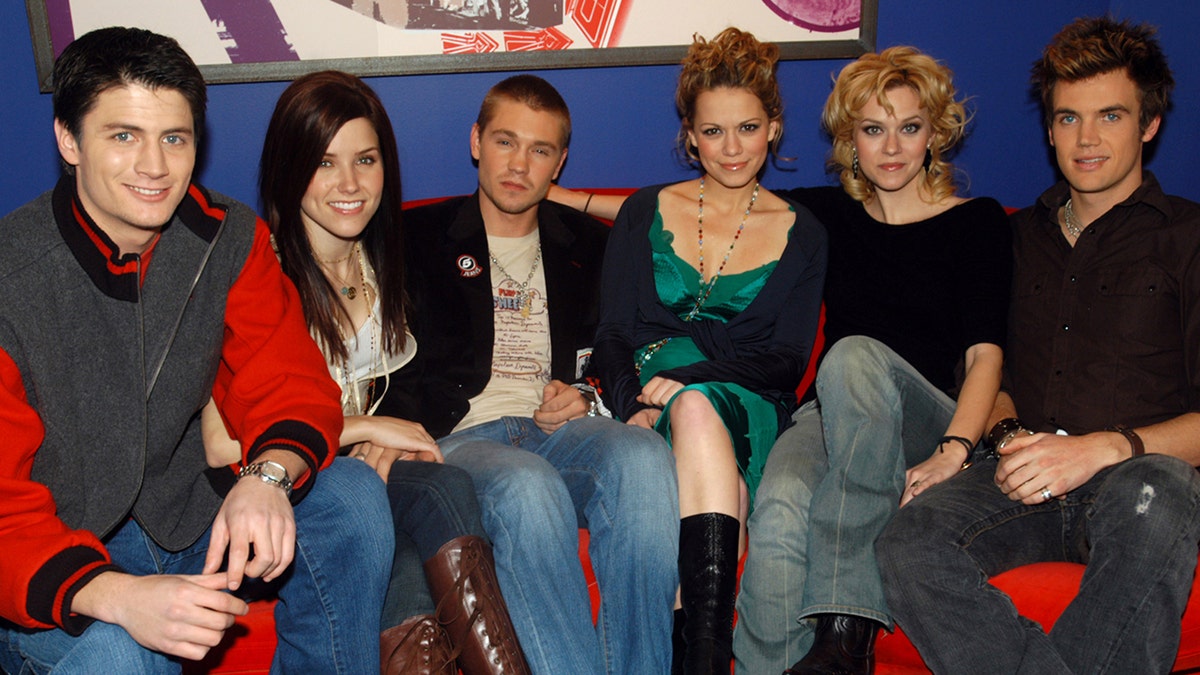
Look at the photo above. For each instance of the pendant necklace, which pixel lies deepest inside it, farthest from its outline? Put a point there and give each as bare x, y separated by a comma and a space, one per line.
350, 291
524, 297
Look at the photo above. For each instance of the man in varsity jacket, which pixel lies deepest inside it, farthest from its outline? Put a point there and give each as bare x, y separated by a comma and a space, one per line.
128, 296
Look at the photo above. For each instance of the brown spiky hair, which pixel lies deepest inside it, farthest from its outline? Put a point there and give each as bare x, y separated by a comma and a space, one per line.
1088, 47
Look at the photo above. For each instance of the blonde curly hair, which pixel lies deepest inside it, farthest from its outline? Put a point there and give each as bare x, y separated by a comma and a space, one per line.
871, 77
735, 59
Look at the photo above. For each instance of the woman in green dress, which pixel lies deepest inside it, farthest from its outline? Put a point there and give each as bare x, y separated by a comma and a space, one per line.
709, 306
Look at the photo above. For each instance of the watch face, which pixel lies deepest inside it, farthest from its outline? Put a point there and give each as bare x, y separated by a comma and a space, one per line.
273, 471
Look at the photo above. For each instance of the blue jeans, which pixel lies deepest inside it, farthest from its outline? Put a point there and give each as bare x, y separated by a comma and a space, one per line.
768, 636
1135, 525
431, 505
880, 418
536, 490
329, 601
830, 485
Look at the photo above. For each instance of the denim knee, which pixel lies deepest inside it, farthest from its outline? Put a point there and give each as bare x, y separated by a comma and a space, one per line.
529, 492
1161, 496
639, 469
433, 504
855, 360
341, 517
101, 645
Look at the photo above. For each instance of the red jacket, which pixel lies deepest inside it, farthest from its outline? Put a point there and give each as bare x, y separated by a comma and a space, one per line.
271, 384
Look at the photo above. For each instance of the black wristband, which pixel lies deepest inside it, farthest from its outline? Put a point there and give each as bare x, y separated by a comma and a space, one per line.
1002, 429
1135, 441
965, 442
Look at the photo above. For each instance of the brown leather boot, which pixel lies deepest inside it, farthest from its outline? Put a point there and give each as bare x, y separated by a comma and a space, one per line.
462, 577
418, 646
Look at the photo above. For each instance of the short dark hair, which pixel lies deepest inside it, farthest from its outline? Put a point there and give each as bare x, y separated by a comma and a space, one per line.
310, 112
532, 91
1089, 47
115, 57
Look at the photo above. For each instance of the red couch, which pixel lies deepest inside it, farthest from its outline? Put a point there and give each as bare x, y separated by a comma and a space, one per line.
1040, 592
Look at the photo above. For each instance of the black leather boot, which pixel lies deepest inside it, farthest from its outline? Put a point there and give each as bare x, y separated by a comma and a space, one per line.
708, 549
842, 645
677, 646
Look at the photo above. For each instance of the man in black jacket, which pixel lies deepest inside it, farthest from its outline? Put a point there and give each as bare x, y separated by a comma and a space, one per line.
505, 289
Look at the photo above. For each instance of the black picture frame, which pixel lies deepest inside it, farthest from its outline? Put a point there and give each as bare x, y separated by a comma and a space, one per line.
47, 33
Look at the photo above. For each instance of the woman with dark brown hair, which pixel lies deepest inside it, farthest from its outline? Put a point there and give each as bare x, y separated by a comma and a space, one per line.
709, 306
330, 188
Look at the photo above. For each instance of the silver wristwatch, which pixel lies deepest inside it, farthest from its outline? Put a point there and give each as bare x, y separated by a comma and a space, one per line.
596, 407
270, 472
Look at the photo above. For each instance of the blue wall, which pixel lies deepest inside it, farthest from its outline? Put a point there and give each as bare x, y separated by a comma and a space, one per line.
625, 121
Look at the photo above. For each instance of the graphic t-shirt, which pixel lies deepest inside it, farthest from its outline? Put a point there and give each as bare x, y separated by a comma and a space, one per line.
521, 349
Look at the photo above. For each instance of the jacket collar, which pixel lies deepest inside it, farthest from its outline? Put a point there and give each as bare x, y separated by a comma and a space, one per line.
120, 276
468, 223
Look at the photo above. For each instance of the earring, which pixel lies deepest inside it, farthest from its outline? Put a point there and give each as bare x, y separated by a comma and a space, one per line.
854, 166
928, 158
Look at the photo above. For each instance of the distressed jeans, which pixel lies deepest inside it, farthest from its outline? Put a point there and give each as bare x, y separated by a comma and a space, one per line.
536, 490
1135, 525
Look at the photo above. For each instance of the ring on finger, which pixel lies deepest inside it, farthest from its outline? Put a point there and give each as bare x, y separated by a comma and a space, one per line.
1046, 494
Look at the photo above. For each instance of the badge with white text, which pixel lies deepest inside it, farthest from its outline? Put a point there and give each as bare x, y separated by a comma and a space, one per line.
468, 268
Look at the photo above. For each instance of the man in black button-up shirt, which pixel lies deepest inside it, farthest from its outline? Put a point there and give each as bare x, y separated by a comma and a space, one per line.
1103, 366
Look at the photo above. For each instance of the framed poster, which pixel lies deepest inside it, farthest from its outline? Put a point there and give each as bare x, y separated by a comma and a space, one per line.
260, 40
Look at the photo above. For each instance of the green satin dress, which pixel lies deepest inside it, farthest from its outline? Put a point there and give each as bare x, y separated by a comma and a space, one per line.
750, 419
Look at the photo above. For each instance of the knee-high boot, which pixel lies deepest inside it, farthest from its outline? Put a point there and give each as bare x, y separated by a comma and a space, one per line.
418, 646
708, 546
462, 578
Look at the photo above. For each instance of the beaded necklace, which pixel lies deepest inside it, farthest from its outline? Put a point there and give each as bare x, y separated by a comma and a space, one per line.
344, 372
705, 288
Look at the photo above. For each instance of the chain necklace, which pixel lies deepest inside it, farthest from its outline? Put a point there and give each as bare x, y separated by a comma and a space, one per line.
1073, 227
524, 297
341, 259
705, 287
347, 289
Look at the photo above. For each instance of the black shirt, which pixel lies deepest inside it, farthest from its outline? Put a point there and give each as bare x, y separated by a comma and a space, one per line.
928, 290
1107, 332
